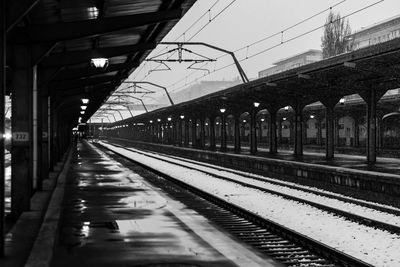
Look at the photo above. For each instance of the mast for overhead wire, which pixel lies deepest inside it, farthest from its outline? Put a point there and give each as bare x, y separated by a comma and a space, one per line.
156, 85
181, 44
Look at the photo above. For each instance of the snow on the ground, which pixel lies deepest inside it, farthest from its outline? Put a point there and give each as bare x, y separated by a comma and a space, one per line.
366, 212
375, 246
282, 182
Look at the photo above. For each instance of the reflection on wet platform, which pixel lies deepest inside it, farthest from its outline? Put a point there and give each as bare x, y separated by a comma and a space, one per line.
112, 217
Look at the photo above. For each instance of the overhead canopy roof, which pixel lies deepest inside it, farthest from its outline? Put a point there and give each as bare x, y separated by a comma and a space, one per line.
65, 34
327, 81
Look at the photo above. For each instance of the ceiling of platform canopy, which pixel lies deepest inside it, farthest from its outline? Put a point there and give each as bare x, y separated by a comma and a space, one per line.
64, 35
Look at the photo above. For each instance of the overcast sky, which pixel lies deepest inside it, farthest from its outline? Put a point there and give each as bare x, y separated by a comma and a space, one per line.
247, 21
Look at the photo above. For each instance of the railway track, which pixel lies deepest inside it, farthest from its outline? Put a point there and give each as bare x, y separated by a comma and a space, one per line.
368, 221
277, 241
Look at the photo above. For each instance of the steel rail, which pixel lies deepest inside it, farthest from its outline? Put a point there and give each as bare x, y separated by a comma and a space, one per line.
317, 247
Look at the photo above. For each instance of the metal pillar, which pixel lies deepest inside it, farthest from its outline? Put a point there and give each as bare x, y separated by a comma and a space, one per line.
194, 132
356, 132
36, 150
280, 131
237, 133
180, 135
202, 133
170, 135
212, 133
319, 131
371, 126
158, 132
304, 132
52, 133
273, 148
186, 133
40, 151
253, 133
298, 131
336, 130
49, 141
379, 132
21, 151
175, 132
330, 132
259, 132
2, 118
223, 132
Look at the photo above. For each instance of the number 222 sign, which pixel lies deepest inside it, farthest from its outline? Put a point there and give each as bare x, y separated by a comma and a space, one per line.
20, 136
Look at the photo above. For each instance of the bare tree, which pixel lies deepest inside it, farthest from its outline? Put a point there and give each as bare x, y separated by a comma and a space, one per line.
334, 41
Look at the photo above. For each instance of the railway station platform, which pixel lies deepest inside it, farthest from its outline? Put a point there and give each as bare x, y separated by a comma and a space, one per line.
383, 165
346, 174
111, 216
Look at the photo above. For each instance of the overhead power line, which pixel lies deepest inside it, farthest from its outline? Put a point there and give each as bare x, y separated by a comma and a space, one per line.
281, 32
184, 33
211, 19
276, 45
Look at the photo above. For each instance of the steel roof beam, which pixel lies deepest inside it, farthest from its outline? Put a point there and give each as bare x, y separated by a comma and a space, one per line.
82, 56
56, 32
65, 85
78, 92
16, 10
71, 74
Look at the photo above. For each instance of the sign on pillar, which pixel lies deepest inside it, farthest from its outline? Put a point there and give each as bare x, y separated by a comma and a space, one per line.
20, 138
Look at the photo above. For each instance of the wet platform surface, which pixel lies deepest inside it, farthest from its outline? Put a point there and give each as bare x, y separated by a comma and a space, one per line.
112, 217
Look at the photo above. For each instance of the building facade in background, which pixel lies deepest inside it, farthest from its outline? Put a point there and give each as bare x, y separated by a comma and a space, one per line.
292, 62
202, 88
350, 122
376, 33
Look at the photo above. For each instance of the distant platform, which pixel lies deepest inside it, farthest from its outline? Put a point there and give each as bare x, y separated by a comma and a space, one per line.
346, 174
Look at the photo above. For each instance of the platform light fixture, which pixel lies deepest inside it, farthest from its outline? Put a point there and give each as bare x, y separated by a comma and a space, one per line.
93, 12
284, 118
82, 112
342, 100
85, 100
312, 116
169, 118
256, 104
7, 136
158, 120
222, 110
99, 63
286, 108
262, 119
182, 117
83, 107
244, 121
151, 121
